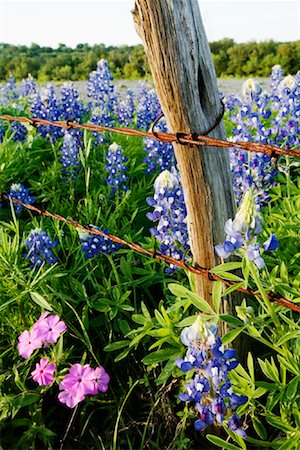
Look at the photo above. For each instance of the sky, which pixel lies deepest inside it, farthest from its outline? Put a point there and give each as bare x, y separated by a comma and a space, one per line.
71, 22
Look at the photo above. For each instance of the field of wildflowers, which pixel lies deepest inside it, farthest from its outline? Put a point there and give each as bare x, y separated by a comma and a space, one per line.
104, 348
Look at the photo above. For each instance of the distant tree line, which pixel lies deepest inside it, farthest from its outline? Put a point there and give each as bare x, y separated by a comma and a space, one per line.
129, 62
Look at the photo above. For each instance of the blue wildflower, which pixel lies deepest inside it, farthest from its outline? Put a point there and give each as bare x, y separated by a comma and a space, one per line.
148, 106
19, 192
170, 213
116, 168
71, 105
160, 155
28, 86
39, 247
210, 388
101, 89
19, 132
234, 424
125, 109
206, 417
242, 232
70, 154
45, 105
94, 245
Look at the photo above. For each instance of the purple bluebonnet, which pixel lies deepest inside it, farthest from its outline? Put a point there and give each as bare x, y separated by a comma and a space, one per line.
210, 388
100, 86
102, 98
39, 248
28, 86
170, 213
116, 168
71, 105
70, 154
101, 116
125, 109
1, 132
45, 105
148, 106
19, 192
234, 424
94, 245
19, 132
8, 92
242, 232
160, 155
266, 117
276, 76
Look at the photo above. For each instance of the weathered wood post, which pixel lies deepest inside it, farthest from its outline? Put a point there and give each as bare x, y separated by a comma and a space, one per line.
181, 64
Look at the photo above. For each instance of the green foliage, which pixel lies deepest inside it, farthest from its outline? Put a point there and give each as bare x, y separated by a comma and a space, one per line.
129, 62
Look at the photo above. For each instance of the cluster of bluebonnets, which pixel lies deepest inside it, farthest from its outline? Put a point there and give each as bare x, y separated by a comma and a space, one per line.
19, 192
116, 168
210, 389
39, 248
170, 213
270, 117
258, 115
94, 245
78, 382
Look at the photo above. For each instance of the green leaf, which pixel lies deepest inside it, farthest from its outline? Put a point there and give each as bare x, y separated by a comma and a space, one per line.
145, 311
259, 392
122, 355
277, 422
233, 321
292, 388
159, 318
196, 300
200, 303
178, 290
231, 335
232, 288
221, 443
229, 276
226, 267
260, 443
259, 428
116, 345
290, 444
250, 365
187, 321
287, 337
290, 365
40, 300
138, 318
160, 355
216, 295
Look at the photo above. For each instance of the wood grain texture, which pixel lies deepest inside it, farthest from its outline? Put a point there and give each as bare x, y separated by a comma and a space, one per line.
181, 64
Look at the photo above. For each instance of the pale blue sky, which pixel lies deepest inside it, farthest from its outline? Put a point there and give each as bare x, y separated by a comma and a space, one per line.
109, 21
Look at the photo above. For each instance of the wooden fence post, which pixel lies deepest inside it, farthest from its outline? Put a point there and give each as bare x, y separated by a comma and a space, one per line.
181, 64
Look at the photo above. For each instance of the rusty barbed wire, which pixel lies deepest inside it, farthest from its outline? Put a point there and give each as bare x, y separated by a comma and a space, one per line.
197, 270
179, 138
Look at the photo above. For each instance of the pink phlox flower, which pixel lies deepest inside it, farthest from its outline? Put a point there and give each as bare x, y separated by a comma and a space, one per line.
101, 380
80, 380
28, 342
69, 397
40, 319
50, 328
43, 373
